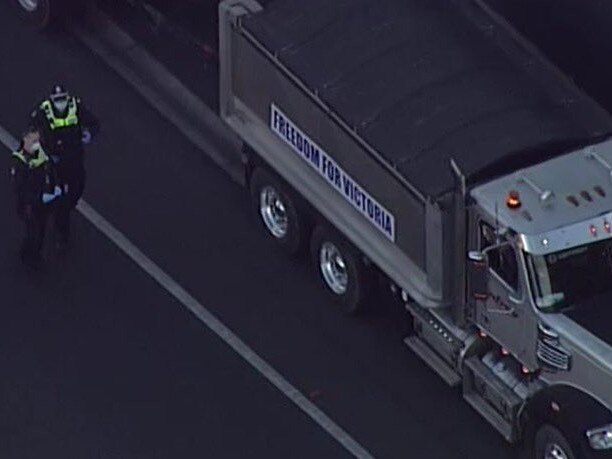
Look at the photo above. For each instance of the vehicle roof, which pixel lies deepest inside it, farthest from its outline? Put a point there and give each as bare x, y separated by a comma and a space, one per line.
423, 81
581, 187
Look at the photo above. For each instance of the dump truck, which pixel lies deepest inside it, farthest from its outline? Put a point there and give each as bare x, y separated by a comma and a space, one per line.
430, 145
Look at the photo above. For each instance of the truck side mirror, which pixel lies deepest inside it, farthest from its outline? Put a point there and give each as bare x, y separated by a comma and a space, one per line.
478, 275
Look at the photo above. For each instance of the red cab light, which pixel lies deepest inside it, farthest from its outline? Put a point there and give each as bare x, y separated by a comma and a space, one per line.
513, 200
607, 226
593, 230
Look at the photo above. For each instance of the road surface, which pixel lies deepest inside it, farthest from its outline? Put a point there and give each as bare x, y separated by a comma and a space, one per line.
100, 361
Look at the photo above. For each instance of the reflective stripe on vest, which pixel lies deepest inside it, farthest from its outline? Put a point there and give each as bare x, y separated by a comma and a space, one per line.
37, 161
71, 118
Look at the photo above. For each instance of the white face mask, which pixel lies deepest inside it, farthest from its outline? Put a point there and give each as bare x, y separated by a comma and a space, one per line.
32, 148
60, 105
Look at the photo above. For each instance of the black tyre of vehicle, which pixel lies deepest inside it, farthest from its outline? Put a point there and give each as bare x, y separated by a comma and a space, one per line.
278, 213
38, 13
341, 269
550, 443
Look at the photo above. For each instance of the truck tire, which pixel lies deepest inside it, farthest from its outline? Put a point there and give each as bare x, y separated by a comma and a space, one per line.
277, 212
550, 443
341, 269
38, 13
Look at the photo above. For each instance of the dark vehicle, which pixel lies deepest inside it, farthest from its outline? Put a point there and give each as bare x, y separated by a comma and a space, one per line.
44, 13
188, 15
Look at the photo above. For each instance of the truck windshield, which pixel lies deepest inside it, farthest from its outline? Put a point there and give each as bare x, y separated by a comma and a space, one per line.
571, 276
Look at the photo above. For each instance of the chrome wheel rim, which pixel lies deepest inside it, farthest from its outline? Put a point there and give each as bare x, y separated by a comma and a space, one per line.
29, 5
273, 212
333, 268
554, 451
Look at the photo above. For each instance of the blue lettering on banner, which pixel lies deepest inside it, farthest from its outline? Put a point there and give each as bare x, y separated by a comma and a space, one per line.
323, 163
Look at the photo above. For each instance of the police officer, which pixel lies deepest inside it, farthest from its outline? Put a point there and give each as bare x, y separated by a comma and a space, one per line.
36, 188
66, 125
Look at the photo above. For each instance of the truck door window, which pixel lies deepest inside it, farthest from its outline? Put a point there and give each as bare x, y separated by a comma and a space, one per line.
502, 260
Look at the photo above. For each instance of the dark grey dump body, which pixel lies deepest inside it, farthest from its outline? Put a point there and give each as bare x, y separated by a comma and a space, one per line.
420, 82
392, 90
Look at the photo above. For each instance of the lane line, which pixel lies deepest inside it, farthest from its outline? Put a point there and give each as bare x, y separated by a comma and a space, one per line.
214, 324
8, 140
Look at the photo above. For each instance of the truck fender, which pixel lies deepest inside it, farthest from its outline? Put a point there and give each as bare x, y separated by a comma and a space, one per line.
570, 410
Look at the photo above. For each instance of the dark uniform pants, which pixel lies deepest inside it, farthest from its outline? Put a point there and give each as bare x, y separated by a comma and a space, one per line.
74, 178
35, 220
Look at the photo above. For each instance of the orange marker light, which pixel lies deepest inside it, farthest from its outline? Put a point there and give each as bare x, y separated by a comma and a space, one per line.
607, 226
513, 200
593, 230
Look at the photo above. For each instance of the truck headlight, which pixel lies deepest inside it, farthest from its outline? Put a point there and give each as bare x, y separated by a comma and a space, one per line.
600, 438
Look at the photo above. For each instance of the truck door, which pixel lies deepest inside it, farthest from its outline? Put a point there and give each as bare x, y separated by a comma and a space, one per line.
505, 313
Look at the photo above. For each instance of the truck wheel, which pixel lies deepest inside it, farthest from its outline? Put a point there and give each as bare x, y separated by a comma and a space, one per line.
35, 12
341, 269
277, 212
550, 443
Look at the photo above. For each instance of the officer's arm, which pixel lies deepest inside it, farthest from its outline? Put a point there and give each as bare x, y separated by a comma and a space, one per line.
36, 119
16, 174
88, 120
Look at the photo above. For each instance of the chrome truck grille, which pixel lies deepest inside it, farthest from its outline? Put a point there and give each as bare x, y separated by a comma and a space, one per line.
550, 352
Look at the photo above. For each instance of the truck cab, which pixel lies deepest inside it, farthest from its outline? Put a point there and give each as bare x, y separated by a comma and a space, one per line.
540, 244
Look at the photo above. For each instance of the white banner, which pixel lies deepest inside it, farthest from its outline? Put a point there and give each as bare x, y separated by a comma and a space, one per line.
343, 183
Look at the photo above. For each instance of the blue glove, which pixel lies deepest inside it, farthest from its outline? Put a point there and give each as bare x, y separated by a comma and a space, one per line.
86, 136
48, 197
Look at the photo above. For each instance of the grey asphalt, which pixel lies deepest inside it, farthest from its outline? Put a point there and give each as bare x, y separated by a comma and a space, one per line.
96, 360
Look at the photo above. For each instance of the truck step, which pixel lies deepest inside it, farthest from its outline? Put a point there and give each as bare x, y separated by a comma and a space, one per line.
480, 405
483, 390
433, 360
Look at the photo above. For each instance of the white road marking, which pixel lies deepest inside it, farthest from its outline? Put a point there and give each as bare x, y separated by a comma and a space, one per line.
214, 324
8, 140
